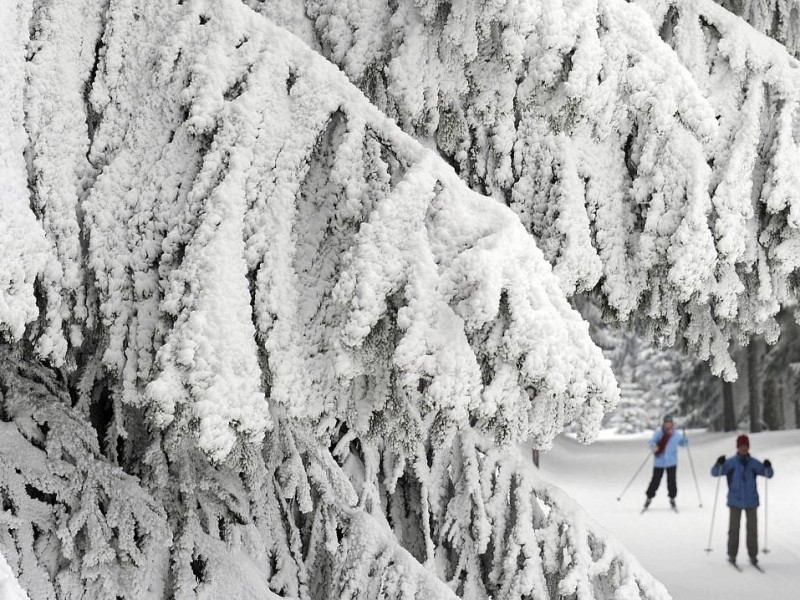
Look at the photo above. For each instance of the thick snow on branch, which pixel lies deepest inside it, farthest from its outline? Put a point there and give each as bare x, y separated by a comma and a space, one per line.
753, 85
629, 163
491, 528
253, 219
23, 250
775, 18
285, 319
573, 112
71, 521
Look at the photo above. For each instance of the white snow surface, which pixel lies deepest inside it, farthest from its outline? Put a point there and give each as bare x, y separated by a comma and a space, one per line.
9, 587
672, 547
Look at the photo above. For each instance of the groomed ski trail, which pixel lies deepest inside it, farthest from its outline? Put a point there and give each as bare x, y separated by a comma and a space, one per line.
672, 546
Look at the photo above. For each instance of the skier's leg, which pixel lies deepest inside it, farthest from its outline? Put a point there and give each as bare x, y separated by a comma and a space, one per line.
672, 485
733, 532
752, 533
654, 482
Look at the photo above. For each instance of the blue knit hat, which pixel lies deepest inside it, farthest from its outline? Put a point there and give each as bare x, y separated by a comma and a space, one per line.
668, 419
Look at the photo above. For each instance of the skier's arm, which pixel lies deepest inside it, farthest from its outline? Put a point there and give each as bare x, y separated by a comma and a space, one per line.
764, 469
719, 467
655, 439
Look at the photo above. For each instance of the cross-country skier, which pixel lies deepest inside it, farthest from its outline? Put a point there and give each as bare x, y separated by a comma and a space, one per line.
664, 443
741, 470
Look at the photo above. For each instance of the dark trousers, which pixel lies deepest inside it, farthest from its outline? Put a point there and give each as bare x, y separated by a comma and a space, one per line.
672, 486
752, 531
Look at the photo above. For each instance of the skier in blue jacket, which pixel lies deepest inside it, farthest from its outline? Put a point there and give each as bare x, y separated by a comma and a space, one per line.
664, 444
741, 471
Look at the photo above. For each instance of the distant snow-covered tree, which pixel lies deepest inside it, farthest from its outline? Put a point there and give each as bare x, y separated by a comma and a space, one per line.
651, 379
631, 415
661, 371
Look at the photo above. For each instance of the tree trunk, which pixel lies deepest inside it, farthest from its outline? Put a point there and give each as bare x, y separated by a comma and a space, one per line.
754, 382
728, 412
795, 394
773, 404
797, 412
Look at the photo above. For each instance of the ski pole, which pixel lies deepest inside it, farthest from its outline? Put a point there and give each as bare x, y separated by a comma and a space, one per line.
622, 493
713, 512
691, 463
766, 487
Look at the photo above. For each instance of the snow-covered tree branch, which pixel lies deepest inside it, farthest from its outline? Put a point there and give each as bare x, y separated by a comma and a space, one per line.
775, 18
256, 321
754, 86
623, 159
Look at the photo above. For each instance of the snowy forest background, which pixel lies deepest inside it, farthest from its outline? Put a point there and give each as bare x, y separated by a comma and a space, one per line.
284, 282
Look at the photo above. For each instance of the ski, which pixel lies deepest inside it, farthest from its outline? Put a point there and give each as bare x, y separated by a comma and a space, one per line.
735, 566
758, 567
645, 509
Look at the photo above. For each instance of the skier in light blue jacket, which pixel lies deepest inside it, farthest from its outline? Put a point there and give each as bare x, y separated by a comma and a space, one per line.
664, 443
741, 469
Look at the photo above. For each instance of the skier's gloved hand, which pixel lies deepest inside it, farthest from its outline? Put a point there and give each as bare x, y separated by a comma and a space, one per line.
768, 464
721, 460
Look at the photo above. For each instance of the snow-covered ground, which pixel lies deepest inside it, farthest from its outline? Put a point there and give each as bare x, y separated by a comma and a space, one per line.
673, 546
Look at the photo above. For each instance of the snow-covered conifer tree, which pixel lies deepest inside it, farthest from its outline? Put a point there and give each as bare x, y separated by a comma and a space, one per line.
260, 343
650, 381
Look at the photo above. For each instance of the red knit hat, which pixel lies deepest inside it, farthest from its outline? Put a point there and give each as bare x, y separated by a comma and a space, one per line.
743, 440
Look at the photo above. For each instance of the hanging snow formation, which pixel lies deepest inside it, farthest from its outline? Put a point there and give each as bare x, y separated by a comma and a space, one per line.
754, 86
631, 166
257, 333
256, 216
779, 19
